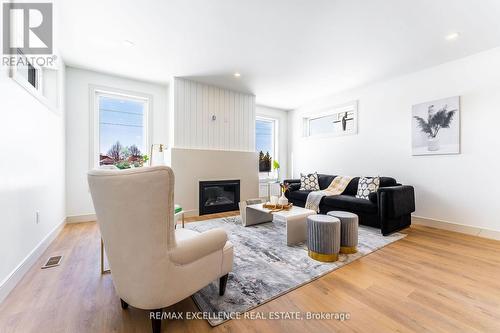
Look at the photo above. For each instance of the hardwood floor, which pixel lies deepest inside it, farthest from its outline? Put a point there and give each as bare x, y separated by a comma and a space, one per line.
433, 280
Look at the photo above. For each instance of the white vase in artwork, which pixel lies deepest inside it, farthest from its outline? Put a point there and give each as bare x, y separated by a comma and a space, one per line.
283, 200
433, 144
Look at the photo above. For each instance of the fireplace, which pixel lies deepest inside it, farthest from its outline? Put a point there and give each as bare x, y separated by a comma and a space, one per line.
219, 196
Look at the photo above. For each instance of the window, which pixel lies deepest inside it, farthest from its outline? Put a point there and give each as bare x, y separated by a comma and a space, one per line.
121, 130
265, 143
41, 82
27, 71
340, 120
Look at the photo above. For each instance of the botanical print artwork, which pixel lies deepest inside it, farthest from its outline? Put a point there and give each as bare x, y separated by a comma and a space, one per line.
436, 127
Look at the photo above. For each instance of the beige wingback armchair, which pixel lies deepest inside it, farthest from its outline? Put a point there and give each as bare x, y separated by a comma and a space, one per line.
153, 265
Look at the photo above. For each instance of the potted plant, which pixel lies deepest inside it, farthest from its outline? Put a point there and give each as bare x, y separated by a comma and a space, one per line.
276, 166
435, 121
264, 162
123, 165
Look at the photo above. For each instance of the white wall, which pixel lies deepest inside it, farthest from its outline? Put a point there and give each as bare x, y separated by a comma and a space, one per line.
194, 165
78, 131
207, 149
455, 188
195, 103
32, 145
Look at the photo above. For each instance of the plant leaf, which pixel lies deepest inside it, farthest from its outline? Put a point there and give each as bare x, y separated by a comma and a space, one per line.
424, 126
448, 118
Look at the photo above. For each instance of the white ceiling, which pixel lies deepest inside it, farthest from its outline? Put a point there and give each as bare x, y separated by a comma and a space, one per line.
287, 51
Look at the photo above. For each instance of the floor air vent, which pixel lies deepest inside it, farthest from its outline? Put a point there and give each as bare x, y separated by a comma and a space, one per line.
52, 262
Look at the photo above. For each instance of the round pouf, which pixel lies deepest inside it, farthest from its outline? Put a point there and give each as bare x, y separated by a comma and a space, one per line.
323, 237
348, 231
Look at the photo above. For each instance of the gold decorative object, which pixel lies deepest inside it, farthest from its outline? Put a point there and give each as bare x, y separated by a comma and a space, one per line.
348, 249
323, 257
161, 148
277, 207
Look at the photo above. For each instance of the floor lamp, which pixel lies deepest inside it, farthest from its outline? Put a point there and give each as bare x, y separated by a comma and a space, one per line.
161, 148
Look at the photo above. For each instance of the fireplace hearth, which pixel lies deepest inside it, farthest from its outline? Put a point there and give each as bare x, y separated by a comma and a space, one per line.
219, 196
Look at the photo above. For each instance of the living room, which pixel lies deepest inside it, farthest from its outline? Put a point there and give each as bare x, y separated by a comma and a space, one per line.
249, 166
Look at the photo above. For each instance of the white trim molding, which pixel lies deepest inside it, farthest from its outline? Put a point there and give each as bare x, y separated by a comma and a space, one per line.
81, 218
456, 227
10, 282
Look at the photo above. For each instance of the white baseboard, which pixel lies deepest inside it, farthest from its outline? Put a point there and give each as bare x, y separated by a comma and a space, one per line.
81, 218
93, 218
8, 284
461, 228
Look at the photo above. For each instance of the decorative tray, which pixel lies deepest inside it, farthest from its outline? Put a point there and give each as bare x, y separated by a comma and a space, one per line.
277, 207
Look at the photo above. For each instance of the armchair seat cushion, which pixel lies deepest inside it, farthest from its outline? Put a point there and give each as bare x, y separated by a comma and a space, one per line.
198, 245
350, 203
183, 234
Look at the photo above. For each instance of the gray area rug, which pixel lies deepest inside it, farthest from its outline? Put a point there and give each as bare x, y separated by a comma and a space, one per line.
265, 267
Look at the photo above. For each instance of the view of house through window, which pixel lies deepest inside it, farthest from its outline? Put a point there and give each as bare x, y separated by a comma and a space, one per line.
265, 145
122, 130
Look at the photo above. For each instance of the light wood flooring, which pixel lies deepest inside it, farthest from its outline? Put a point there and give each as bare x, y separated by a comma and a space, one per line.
431, 281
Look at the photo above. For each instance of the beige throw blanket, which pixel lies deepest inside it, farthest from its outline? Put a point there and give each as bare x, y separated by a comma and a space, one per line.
336, 187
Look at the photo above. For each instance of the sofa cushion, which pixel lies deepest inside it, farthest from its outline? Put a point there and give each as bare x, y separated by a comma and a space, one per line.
349, 203
293, 186
325, 180
352, 187
300, 195
367, 185
309, 182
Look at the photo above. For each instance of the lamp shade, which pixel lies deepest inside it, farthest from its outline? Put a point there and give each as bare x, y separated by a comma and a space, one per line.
157, 154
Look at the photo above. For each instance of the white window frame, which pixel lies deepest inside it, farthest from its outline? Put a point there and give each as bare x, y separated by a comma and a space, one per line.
271, 175
350, 106
37, 90
95, 92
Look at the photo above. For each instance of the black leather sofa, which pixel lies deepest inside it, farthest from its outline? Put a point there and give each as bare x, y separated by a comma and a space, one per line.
389, 208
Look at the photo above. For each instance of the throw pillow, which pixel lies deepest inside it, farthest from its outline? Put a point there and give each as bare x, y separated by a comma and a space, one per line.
309, 182
366, 186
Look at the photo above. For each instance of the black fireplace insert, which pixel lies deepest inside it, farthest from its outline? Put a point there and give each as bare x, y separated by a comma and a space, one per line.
219, 196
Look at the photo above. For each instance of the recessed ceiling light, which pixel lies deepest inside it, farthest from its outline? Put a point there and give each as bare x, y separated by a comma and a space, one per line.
237, 74
128, 43
452, 36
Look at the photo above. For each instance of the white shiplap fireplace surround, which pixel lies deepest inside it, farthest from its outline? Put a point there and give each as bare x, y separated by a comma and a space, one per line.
212, 135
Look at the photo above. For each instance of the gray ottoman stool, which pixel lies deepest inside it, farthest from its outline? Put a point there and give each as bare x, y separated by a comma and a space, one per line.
348, 231
323, 237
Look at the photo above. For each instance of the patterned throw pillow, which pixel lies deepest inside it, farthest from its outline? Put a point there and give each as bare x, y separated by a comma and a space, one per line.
309, 182
366, 186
